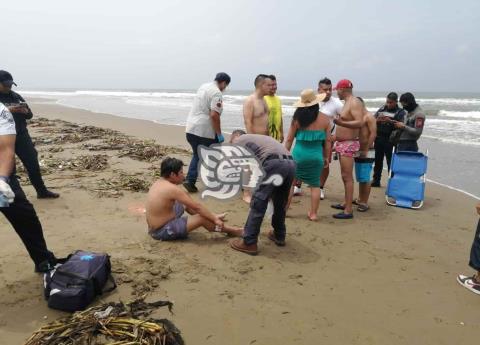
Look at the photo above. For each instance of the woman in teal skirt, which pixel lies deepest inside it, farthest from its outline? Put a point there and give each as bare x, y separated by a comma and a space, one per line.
311, 131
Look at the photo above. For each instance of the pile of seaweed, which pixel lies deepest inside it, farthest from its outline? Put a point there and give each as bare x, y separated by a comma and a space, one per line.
111, 324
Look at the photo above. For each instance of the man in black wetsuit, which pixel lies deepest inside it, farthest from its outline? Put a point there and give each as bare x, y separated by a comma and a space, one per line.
24, 147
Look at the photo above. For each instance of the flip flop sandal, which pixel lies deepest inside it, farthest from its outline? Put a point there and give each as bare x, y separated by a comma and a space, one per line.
338, 206
356, 202
343, 215
363, 208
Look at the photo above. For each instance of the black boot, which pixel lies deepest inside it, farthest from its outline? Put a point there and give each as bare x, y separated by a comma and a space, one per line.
46, 194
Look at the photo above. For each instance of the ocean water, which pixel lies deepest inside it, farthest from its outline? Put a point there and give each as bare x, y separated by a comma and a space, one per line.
451, 134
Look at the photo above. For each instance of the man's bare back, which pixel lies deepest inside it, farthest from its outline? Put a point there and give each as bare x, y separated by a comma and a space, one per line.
352, 111
368, 132
255, 114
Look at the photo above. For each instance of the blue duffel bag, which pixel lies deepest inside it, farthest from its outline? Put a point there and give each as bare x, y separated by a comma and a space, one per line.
75, 283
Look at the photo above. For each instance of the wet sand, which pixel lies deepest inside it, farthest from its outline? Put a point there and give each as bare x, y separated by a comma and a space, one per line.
387, 277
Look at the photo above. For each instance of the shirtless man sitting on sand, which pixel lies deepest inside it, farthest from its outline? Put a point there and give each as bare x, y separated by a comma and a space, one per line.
347, 144
166, 203
255, 114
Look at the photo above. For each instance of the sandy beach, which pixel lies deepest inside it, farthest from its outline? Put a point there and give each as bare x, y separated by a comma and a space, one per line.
387, 277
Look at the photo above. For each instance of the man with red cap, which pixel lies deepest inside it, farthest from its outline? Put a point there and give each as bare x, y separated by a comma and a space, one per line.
347, 142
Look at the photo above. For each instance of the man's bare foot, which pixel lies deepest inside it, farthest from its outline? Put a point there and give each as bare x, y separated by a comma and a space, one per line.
312, 217
233, 231
247, 196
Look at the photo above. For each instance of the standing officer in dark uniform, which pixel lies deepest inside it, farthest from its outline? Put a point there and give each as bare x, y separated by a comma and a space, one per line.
412, 128
13, 202
386, 117
24, 147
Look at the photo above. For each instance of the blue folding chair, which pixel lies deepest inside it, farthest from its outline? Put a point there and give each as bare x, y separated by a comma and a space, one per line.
407, 178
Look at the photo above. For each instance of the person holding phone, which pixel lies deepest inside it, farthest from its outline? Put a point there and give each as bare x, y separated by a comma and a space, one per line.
24, 147
386, 117
412, 128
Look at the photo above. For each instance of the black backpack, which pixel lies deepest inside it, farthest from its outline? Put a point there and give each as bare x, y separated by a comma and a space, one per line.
74, 284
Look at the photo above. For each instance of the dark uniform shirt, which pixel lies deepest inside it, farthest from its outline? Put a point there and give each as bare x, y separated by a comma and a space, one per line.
414, 123
262, 146
384, 129
20, 119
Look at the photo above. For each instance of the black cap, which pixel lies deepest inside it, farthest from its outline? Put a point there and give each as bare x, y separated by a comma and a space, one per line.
6, 78
222, 76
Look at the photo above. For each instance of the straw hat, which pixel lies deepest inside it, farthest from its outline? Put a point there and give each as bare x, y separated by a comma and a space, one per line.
308, 97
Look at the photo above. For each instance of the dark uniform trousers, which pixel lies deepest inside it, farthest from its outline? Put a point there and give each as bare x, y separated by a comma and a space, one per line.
383, 148
279, 195
25, 150
24, 220
195, 141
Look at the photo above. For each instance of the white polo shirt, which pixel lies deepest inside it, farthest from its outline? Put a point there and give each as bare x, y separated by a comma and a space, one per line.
331, 108
208, 98
7, 124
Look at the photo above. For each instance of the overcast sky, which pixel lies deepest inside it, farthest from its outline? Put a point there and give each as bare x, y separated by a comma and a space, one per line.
418, 45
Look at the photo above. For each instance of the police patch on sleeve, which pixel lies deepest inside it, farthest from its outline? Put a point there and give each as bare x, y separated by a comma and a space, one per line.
419, 122
217, 104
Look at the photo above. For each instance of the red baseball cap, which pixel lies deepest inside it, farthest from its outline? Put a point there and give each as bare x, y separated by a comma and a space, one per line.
344, 84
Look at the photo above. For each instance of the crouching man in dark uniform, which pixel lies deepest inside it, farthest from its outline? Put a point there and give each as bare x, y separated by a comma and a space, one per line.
24, 147
275, 159
13, 203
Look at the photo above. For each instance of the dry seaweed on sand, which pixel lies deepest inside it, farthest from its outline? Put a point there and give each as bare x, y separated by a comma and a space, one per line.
51, 164
60, 132
148, 150
42, 122
123, 181
111, 324
143, 150
114, 142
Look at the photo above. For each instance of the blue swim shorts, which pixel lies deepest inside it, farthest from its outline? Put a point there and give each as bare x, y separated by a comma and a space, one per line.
363, 169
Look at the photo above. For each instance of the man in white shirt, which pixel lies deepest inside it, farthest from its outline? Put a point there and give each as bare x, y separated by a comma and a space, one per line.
331, 106
203, 123
13, 202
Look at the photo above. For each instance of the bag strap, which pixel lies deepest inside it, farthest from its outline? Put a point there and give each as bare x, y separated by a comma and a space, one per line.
63, 260
101, 291
111, 288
